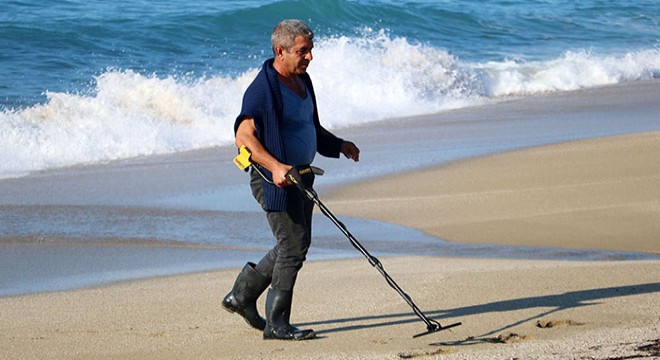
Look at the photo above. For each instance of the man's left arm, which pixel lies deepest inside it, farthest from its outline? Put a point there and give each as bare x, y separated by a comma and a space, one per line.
331, 146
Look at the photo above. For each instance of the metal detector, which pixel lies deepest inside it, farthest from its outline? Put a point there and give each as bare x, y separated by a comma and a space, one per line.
303, 178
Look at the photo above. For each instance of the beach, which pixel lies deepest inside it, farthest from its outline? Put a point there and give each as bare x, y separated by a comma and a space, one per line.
575, 170
509, 309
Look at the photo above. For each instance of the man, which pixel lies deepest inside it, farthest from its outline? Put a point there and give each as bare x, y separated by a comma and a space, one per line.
279, 124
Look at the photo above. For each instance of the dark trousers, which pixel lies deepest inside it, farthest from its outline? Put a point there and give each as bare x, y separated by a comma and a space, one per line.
293, 234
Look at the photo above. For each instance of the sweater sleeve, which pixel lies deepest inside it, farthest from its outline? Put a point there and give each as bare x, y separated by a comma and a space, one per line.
252, 107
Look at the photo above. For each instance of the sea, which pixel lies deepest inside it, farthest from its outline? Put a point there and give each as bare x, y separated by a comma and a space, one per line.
85, 82
96, 83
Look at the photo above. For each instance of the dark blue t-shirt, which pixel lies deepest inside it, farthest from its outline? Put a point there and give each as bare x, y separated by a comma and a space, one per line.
298, 132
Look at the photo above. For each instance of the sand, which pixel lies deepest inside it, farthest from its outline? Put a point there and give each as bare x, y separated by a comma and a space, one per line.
592, 194
596, 310
601, 193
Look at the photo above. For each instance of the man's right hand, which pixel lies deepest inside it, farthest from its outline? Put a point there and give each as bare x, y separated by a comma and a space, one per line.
246, 134
279, 175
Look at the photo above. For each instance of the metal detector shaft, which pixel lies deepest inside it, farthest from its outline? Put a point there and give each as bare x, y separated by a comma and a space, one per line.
431, 325
243, 161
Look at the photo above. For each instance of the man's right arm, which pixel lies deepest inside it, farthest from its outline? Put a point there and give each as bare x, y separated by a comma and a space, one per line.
246, 134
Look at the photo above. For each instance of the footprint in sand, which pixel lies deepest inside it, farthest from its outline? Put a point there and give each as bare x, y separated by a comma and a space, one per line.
509, 338
547, 324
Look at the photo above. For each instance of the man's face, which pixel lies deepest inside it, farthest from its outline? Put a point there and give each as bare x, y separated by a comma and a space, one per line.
298, 57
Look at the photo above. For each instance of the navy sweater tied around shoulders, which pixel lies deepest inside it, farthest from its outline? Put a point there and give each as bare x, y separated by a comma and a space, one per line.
262, 102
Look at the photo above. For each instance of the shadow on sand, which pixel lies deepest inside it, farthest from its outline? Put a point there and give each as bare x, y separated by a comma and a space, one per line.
556, 303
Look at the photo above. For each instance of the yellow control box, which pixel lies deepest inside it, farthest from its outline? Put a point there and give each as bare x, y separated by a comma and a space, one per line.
242, 160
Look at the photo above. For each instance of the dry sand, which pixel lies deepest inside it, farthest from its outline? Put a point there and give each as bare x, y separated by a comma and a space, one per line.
595, 311
593, 194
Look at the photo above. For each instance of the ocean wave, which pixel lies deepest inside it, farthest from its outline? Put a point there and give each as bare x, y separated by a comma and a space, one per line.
127, 115
358, 79
572, 71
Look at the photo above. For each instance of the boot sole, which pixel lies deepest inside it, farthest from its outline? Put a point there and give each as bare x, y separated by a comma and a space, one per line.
232, 311
311, 335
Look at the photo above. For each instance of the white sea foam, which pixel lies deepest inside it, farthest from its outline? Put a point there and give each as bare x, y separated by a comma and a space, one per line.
128, 115
376, 77
357, 80
571, 71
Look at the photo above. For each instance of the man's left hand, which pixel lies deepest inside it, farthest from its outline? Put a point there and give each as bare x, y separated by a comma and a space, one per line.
350, 150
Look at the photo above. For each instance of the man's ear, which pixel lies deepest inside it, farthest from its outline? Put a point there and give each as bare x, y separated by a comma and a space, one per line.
279, 51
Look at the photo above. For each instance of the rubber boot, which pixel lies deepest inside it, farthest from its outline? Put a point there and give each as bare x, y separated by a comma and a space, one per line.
278, 312
242, 299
